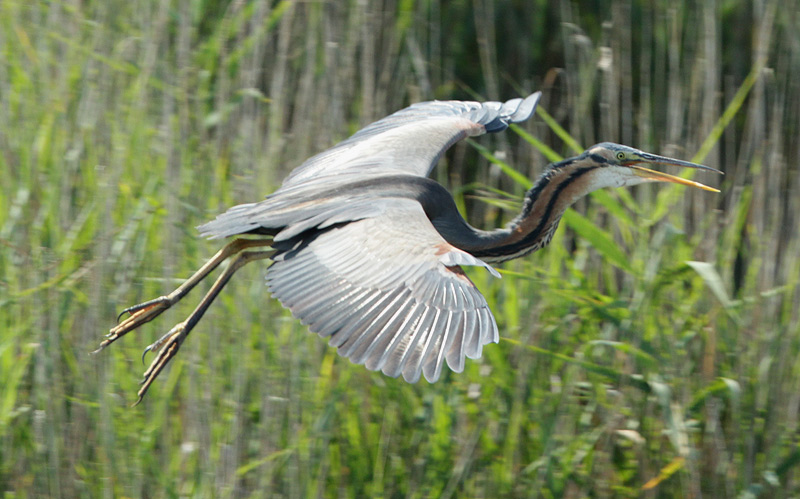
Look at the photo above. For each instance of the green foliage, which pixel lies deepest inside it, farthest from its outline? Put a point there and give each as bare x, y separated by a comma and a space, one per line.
650, 350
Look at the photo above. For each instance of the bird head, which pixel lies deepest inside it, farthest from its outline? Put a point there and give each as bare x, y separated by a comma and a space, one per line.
622, 166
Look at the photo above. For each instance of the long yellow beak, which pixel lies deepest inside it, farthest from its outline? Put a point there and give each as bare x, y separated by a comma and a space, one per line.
665, 177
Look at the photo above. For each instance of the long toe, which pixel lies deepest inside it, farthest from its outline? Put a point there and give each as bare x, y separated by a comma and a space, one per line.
162, 303
167, 347
140, 314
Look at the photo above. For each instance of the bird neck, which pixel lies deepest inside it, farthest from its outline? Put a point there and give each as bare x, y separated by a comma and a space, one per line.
562, 184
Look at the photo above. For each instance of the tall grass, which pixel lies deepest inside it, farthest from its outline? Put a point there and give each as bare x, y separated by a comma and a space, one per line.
650, 350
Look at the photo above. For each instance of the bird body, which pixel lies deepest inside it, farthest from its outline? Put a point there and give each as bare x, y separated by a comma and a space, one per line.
368, 251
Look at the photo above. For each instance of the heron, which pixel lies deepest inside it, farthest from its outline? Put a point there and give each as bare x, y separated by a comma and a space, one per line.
369, 252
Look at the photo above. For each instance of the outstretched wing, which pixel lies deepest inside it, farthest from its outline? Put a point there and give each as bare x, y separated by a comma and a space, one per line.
388, 291
413, 139
408, 142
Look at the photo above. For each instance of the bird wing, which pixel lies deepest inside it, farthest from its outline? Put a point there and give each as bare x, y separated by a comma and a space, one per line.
389, 291
413, 139
406, 143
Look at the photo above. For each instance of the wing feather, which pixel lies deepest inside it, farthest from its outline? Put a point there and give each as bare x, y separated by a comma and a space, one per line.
406, 357
380, 352
357, 344
473, 345
387, 293
413, 139
330, 318
370, 314
384, 340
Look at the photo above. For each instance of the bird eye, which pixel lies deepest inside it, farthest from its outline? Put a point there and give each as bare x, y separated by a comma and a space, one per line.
620, 155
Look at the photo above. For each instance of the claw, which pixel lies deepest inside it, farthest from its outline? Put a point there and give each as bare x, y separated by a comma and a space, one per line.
146, 349
119, 317
133, 310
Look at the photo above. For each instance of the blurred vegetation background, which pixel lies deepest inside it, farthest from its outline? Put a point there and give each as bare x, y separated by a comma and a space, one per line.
652, 349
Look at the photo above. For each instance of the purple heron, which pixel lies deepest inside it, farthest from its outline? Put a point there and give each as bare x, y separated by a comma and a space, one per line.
368, 251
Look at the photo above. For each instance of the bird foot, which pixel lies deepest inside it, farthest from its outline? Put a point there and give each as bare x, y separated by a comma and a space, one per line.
167, 347
140, 314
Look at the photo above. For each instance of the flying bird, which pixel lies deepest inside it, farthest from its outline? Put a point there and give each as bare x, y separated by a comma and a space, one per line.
369, 252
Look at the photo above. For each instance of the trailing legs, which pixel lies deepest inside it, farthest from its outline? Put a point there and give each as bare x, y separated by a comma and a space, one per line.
168, 345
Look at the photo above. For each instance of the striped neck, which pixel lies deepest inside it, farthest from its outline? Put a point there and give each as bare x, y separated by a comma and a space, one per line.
560, 186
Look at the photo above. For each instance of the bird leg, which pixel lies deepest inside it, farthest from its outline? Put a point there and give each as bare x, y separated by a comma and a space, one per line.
169, 344
149, 310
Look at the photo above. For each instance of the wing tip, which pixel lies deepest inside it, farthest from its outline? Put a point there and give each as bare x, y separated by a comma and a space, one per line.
512, 111
526, 107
